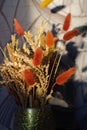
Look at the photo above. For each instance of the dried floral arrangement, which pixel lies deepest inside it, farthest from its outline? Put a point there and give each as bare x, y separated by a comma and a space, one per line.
26, 70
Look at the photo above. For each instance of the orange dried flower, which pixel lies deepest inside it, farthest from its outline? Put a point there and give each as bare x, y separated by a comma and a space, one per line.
29, 77
70, 34
65, 76
49, 39
38, 56
67, 21
18, 27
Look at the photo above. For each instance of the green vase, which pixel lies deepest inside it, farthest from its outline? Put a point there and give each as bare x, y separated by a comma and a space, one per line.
34, 119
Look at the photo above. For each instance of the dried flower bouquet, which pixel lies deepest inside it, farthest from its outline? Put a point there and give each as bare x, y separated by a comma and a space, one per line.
26, 69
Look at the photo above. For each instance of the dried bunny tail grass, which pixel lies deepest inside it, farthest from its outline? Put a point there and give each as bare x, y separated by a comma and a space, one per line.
65, 76
67, 22
38, 56
49, 39
18, 27
70, 34
29, 76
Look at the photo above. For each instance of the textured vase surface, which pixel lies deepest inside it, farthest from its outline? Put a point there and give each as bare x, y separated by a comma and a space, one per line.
34, 119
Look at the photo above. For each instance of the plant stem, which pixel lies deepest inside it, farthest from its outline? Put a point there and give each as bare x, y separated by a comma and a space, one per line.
52, 68
52, 87
58, 64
